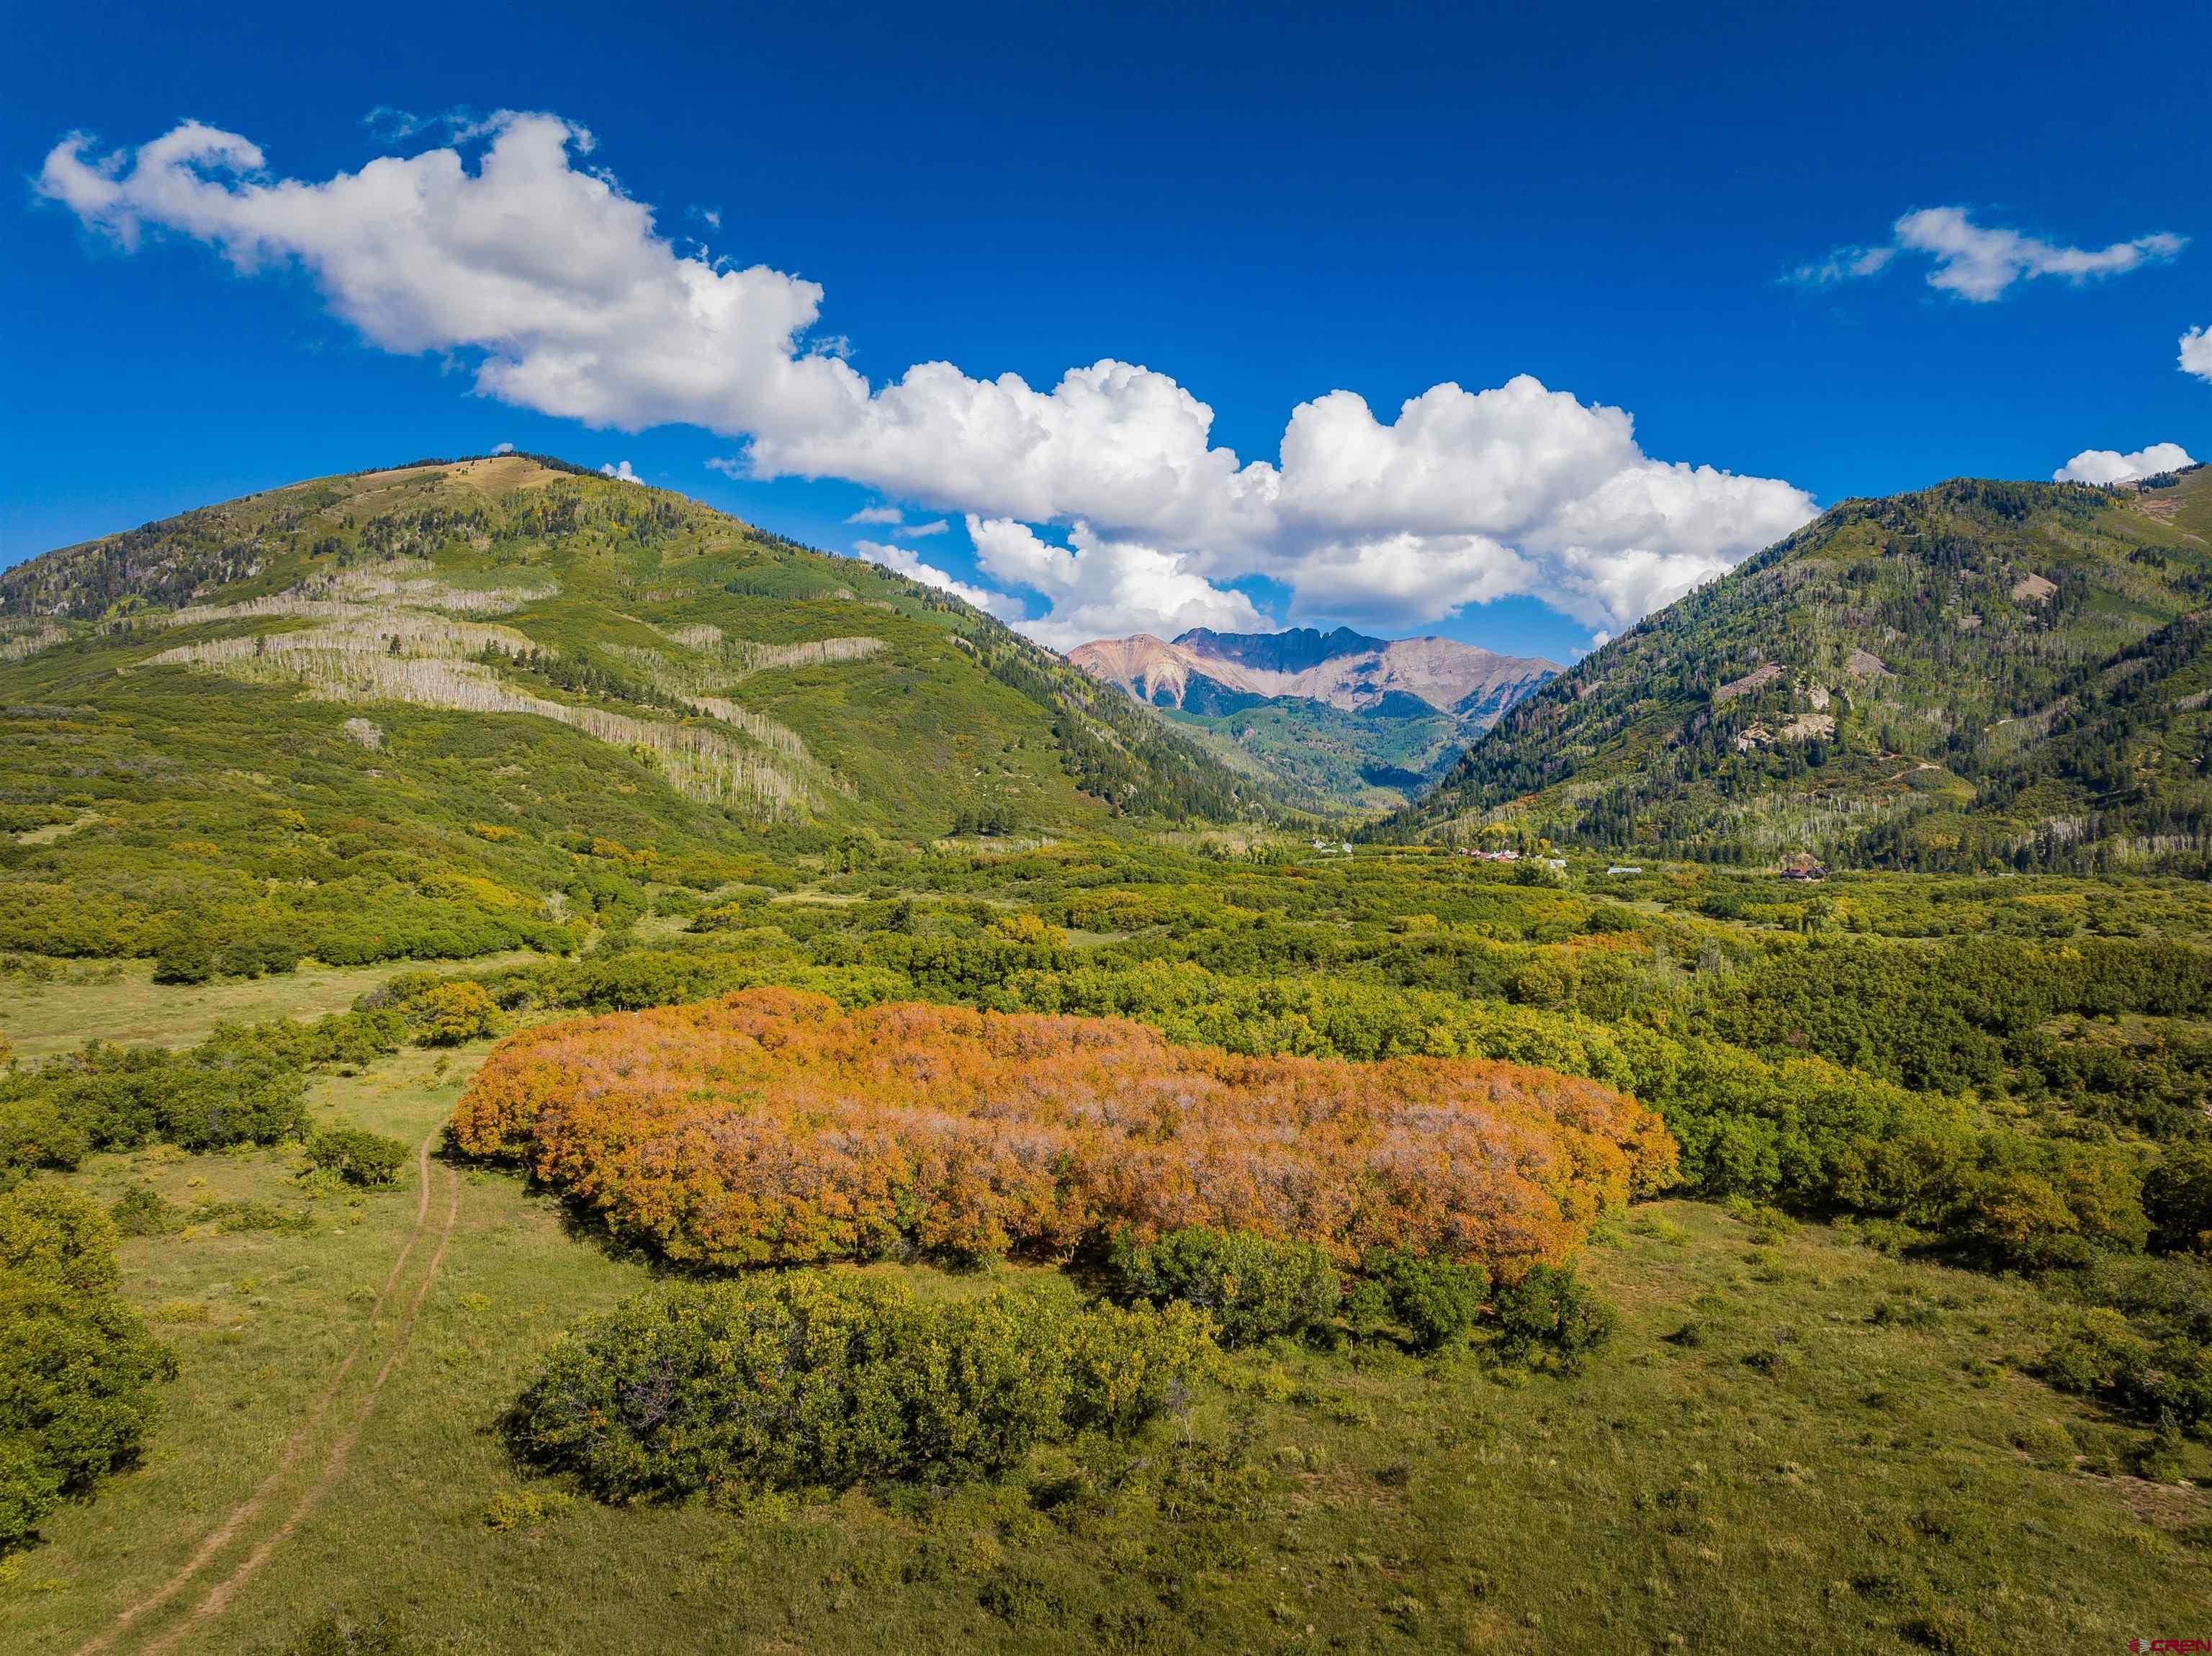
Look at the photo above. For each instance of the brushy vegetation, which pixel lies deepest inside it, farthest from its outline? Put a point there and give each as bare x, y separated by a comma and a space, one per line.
1549, 1316
768, 1127
1254, 1288
830, 1380
1869, 1483
240, 1086
78, 1370
1435, 1301
356, 1156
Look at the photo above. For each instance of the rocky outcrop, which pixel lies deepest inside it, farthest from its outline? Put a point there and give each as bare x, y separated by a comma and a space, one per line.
1205, 671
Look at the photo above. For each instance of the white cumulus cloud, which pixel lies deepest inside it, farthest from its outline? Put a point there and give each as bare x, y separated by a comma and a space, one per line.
908, 563
2196, 352
1098, 587
1980, 263
559, 280
561, 292
621, 473
2104, 465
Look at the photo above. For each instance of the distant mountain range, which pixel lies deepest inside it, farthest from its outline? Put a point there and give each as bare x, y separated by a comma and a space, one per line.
1340, 716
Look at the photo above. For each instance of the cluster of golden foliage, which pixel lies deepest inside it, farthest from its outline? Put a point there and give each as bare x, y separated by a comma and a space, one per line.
769, 1126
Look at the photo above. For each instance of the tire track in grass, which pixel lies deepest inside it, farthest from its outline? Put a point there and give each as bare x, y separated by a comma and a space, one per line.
219, 1598
243, 1514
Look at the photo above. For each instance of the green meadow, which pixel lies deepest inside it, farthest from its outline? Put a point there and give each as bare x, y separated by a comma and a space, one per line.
1793, 1435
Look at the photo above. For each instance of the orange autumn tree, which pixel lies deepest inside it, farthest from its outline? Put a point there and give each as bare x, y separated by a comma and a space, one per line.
770, 1127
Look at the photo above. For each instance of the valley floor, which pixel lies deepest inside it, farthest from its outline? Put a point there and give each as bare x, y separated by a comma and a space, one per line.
119, 1001
1794, 1441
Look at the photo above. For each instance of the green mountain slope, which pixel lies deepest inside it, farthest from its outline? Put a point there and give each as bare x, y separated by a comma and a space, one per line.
422, 711
1982, 674
1329, 759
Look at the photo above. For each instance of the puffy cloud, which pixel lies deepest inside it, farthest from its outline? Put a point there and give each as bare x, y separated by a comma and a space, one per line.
1381, 579
1113, 442
2104, 465
621, 474
1495, 462
908, 563
2196, 352
577, 307
1097, 586
1979, 263
504, 448
569, 302
1471, 496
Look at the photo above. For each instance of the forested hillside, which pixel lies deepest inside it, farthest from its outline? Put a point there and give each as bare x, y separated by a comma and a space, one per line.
410, 713
1326, 759
1980, 674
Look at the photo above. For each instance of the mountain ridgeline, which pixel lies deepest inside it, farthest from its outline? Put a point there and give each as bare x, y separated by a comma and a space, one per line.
379, 715
1980, 674
1338, 717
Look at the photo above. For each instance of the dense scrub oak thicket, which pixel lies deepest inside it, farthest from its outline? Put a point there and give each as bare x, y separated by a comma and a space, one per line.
826, 1380
79, 1372
770, 1127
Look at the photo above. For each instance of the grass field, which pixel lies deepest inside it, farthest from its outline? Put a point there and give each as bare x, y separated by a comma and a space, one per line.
1794, 1439
120, 1001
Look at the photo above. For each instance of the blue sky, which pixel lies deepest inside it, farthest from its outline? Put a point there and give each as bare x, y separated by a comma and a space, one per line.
1259, 208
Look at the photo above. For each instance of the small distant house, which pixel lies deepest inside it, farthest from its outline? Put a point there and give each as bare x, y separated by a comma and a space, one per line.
1803, 866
